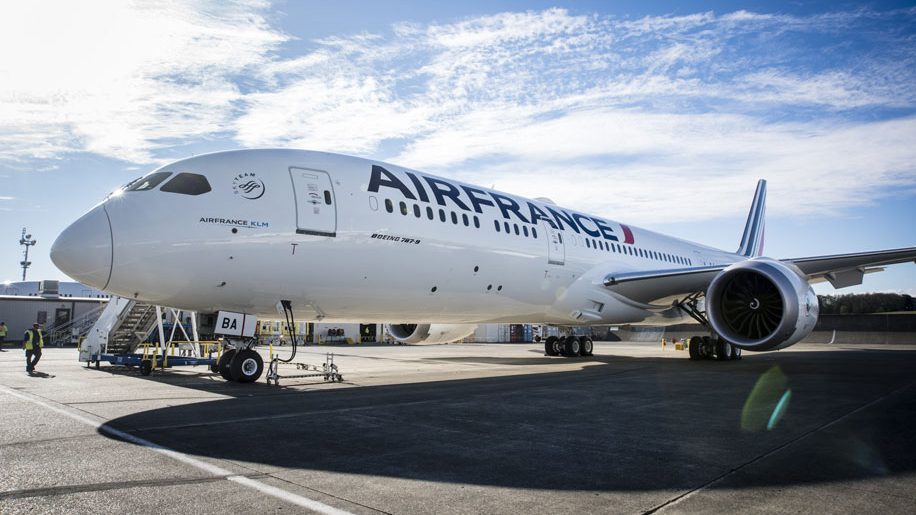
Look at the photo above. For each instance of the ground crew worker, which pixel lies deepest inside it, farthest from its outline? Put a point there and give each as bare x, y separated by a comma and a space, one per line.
2, 335
32, 342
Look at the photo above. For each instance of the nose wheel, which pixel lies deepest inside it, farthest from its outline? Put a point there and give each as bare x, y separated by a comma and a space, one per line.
241, 366
246, 366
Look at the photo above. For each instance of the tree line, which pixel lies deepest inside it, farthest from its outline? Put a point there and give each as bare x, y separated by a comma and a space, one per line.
861, 303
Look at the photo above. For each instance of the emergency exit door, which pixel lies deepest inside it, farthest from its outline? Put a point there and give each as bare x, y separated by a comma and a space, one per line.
316, 209
556, 249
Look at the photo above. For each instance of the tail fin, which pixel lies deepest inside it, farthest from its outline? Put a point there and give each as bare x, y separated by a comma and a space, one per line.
752, 241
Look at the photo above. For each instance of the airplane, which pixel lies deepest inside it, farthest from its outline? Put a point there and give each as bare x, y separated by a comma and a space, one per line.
340, 239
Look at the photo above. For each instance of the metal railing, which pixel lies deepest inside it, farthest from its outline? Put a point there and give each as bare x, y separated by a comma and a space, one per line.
71, 330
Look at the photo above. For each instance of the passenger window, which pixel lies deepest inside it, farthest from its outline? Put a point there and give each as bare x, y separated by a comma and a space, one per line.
187, 184
416, 211
429, 212
389, 206
148, 182
476, 222
534, 232
516, 229
464, 219
454, 218
496, 224
403, 209
587, 244
506, 226
525, 230
442, 215
327, 197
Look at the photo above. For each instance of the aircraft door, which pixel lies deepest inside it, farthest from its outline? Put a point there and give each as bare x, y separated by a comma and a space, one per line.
556, 249
316, 209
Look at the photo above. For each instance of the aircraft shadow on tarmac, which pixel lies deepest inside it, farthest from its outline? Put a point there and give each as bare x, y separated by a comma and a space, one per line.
622, 424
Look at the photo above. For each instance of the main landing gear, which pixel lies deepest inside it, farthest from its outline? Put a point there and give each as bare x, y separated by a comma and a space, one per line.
568, 346
712, 347
242, 365
706, 347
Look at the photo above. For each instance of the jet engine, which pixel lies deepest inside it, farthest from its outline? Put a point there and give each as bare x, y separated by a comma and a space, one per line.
428, 334
761, 304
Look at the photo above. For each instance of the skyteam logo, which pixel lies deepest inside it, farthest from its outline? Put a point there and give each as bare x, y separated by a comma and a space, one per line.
248, 186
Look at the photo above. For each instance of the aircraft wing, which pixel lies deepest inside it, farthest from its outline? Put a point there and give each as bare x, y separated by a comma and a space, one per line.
843, 270
651, 286
840, 270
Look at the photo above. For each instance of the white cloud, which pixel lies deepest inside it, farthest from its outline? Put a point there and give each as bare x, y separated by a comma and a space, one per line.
121, 79
591, 110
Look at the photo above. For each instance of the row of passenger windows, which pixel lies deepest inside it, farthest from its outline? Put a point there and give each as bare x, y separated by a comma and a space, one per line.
635, 251
507, 228
406, 209
184, 183
431, 214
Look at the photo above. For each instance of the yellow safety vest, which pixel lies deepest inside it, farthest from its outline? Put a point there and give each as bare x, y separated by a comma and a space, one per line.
2, 331
28, 340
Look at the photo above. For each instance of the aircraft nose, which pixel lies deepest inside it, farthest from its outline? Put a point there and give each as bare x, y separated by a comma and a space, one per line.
84, 250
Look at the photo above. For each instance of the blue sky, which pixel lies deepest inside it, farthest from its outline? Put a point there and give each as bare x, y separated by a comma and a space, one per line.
661, 115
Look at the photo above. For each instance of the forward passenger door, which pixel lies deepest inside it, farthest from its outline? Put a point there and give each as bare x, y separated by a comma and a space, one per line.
316, 207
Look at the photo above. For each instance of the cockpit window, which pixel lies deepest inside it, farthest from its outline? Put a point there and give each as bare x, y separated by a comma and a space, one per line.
148, 182
187, 184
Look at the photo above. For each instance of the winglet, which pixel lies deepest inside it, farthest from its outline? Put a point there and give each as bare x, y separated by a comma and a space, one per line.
752, 240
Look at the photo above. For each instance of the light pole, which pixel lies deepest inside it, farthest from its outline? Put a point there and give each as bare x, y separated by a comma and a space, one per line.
26, 241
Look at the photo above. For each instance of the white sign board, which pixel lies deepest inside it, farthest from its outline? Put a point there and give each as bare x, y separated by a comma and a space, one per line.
236, 324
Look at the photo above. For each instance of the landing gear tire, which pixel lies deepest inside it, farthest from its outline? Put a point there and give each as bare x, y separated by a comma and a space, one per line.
223, 364
585, 346
694, 347
571, 347
146, 367
736, 352
550, 346
246, 366
723, 350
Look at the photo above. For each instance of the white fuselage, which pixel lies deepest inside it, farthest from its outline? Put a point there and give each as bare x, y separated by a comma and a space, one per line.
348, 239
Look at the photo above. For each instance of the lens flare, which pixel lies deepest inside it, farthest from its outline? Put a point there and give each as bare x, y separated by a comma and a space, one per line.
767, 403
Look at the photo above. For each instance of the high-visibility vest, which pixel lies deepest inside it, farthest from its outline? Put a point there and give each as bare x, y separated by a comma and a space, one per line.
28, 340
2, 331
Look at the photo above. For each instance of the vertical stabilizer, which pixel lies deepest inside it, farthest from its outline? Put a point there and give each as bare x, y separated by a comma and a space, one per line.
752, 241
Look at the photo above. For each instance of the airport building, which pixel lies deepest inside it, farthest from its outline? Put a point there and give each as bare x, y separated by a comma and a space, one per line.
65, 310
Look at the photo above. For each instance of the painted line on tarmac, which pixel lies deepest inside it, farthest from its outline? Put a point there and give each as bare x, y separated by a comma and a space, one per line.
262, 487
680, 498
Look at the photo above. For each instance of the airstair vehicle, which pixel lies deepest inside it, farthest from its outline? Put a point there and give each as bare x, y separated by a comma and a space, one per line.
124, 326
123, 330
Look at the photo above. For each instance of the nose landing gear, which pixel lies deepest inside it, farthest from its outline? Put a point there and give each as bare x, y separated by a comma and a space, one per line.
242, 365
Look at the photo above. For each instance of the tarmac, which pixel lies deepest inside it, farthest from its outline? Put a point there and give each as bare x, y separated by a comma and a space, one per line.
474, 428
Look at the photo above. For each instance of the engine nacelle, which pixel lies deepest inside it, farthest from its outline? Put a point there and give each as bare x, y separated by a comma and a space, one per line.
429, 334
761, 304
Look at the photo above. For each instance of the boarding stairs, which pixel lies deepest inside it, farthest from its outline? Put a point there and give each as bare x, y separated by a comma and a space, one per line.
120, 329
